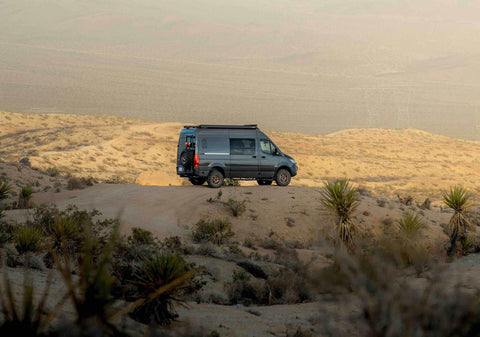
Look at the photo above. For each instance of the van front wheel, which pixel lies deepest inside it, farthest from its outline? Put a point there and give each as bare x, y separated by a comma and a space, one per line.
283, 177
215, 179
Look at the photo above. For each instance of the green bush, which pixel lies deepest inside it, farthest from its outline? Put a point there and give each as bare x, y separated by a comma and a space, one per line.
216, 231
141, 236
28, 239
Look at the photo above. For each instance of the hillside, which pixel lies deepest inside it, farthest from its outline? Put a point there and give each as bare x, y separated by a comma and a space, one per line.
122, 149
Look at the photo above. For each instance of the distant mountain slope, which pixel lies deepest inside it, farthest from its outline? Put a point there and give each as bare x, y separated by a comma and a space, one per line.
386, 161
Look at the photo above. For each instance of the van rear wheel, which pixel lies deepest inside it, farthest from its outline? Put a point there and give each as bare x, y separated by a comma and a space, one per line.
283, 177
264, 182
197, 180
215, 179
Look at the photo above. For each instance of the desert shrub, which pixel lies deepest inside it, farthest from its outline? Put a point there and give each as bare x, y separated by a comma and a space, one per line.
90, 293
215, 231
458, 200
6, 233
342, 199
173, 244
74, 183
25, 197
231, 182
271, 244
242, 290
410, 225
235, 207
216, 198
141, 236
28, 239
31, 318
5, 190
164, 275
52, 171
394, 308
288, 287
248, 243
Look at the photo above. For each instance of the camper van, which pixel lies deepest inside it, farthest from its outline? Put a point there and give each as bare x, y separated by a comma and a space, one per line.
213, 152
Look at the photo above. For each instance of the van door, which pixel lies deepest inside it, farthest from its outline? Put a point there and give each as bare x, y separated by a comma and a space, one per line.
268, 159
243, 158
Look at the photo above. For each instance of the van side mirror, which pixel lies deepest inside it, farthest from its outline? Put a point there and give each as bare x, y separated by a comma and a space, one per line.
275, 152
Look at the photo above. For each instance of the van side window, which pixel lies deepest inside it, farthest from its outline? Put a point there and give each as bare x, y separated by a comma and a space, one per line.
217, 145
267, 147
242, 146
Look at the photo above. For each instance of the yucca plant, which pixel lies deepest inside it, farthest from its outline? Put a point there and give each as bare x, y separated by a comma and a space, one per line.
28, 239
410, 249
25, 197
158, 281
5, 190
91, 293
30, 317
410, 225
458, 200
342, 199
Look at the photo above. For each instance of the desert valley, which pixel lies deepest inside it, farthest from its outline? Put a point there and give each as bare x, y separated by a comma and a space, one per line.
273, 266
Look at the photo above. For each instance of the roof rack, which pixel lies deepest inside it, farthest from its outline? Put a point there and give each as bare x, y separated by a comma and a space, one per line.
210, 126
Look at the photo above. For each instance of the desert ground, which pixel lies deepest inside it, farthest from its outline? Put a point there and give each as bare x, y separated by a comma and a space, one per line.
387, 162
132, 168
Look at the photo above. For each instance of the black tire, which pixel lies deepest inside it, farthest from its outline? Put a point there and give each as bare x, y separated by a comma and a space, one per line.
283, 177
186, 158
215, 179
197, 180
264, 182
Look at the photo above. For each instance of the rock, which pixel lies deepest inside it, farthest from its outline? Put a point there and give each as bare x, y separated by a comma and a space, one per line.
25, 162
253, 269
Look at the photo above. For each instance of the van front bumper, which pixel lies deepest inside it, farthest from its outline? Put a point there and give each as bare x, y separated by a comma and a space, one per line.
294, 170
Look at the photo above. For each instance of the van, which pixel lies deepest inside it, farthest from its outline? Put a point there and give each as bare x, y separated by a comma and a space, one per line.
213, 152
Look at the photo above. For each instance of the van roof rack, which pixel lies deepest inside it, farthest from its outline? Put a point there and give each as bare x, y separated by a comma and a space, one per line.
211, 126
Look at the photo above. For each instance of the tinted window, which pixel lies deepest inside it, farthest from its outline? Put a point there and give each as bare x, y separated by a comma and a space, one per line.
267, 146
242, 146
215, 145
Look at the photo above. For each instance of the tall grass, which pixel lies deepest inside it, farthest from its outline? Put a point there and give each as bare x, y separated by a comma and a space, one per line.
342, 199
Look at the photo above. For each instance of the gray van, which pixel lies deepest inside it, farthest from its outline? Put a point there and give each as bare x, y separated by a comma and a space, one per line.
214, 152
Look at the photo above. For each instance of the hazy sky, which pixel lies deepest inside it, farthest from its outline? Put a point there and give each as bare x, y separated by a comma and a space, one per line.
297, 65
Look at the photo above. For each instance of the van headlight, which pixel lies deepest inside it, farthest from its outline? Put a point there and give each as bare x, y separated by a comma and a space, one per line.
292, 160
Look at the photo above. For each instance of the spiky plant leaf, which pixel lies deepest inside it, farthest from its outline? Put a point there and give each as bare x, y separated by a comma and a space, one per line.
5, 190
162, 271
28, 239
30, 317
458, 200
341, 198
410, 224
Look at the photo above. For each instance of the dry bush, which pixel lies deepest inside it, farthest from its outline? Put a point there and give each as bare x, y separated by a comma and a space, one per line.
394, 308
235, 207
215, 231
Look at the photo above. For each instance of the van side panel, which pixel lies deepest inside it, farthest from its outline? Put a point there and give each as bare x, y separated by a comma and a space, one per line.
213, 150
243, 154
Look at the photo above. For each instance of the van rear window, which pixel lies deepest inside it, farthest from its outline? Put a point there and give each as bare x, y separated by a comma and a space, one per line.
239, 146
